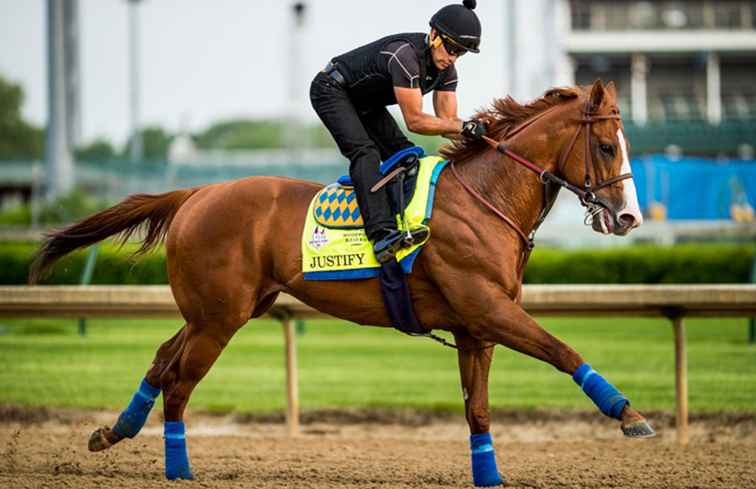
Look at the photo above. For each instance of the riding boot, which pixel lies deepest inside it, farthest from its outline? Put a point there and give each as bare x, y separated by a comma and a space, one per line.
379, 217
387, 244
391, 241
382, 230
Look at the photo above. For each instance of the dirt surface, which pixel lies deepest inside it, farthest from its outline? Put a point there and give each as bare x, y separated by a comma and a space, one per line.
41, 448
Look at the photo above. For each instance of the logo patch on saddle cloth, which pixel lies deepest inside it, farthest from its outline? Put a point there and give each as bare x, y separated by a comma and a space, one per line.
336, 207
334, 243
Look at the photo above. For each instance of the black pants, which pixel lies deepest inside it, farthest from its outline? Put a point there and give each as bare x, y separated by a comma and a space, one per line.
365, 138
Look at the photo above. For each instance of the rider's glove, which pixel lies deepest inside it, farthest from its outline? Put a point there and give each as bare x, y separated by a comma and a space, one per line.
473, 129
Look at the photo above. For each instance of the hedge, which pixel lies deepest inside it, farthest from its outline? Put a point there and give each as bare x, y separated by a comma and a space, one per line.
681, 264
689, 263
114, 265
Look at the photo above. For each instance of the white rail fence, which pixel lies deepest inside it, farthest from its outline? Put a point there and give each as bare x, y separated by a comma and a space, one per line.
674, 302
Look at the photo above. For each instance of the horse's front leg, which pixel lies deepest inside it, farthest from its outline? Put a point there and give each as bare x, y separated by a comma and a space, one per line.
474, 362
508, 324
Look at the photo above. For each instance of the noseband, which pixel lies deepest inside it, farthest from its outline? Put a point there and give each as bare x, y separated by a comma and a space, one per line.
586, 194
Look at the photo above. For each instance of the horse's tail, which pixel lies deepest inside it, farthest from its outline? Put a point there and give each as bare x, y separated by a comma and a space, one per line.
156, 211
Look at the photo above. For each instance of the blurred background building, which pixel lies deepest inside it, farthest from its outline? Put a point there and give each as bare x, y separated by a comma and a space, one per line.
684, 72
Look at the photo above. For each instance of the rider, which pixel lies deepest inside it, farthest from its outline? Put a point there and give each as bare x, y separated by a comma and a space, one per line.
351, 94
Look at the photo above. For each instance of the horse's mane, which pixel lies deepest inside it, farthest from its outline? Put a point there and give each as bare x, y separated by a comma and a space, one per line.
504, 115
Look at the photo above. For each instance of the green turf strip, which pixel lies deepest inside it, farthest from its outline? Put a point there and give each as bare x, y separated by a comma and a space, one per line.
45, 363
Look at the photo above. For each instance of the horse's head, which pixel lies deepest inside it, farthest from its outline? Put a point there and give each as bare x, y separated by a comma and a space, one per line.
596, 159
575, 137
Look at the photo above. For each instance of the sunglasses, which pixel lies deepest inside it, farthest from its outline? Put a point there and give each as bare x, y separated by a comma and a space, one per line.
452, 47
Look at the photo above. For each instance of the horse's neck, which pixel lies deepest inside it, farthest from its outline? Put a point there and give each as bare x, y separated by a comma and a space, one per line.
508, 185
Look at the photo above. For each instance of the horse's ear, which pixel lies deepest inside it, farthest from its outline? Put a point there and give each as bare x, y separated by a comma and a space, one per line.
596, 97
611, 89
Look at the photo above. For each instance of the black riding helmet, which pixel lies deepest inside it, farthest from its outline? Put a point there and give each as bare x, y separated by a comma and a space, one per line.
459, 23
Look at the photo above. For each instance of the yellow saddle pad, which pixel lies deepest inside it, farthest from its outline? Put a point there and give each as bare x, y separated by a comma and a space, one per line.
334, 243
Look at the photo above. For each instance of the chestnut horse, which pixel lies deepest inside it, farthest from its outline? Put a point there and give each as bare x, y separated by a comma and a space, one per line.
233, 247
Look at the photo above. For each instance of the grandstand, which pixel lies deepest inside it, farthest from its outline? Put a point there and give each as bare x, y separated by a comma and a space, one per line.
684, 70
684, 74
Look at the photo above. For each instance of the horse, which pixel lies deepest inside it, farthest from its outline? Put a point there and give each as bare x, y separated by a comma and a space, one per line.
232, 247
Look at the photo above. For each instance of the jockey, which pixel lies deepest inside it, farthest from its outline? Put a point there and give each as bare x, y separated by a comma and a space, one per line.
351, 94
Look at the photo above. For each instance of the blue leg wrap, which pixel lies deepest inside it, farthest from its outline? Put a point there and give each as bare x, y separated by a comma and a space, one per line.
608, 399
133, 418
176, 456
484, 468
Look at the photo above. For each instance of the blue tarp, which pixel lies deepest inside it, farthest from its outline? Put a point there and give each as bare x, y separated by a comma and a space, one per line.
694, 188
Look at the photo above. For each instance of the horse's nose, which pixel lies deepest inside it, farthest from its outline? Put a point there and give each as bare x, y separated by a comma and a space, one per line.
630, 218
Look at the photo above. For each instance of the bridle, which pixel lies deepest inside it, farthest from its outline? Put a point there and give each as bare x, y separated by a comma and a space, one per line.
586, 194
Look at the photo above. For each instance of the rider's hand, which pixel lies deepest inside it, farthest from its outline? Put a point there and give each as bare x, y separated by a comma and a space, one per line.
473, 129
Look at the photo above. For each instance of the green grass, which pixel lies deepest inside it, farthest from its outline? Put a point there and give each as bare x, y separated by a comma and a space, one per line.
45, 363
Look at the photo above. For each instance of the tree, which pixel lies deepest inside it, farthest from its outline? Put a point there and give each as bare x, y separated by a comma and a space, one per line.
155, 142
19, 140
97, 151
242, 134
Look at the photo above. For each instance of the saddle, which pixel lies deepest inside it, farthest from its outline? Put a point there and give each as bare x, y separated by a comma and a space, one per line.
337, 206
334, 243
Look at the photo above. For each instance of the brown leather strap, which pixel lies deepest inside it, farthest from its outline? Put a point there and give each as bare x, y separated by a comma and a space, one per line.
585, 123
588, 156
568, 150
612, 180
383, 181
512, 133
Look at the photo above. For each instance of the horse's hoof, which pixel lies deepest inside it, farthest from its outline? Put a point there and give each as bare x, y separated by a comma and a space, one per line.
97, 440
639, 429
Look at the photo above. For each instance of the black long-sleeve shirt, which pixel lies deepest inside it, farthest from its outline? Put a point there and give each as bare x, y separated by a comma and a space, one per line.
401, 60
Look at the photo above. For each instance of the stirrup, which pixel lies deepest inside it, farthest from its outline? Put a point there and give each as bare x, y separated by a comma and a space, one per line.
386, 248
417, 235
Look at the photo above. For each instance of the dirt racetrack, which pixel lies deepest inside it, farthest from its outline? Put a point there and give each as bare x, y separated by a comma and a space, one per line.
41, 448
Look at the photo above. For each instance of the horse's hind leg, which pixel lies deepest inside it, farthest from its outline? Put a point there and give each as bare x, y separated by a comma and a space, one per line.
200, 347
132, 419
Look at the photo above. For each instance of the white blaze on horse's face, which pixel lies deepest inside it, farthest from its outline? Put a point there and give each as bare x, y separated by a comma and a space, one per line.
631, 210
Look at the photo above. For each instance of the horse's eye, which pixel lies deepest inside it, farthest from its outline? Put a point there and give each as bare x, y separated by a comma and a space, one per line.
607, 149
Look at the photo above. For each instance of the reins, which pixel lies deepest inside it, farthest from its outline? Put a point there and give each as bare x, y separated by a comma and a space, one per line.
585, 194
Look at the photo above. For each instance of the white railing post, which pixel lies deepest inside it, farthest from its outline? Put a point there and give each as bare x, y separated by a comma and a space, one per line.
292, 378
681, 380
